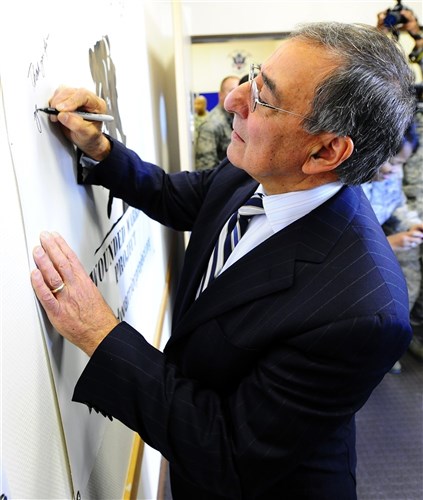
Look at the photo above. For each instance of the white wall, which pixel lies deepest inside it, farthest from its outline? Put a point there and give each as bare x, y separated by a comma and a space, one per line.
215, 17
211, 62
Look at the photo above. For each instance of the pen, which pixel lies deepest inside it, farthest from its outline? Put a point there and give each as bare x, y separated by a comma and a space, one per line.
93, 117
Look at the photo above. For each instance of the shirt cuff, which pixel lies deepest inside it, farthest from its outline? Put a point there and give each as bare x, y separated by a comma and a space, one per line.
87, 165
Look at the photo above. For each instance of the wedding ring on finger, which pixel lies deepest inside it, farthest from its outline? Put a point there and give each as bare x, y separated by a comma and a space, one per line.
58, 289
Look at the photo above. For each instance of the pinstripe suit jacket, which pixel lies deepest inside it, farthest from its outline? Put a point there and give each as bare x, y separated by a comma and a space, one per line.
255, 394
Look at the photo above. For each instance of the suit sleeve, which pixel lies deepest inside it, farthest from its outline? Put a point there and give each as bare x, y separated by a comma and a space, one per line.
171, 199
262, 429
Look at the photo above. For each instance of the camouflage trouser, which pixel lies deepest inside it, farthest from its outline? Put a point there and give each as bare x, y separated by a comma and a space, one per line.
413, 188
414, 194
410, 259
411, 266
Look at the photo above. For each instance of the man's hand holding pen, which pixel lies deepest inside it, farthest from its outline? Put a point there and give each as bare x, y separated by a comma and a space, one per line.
86, 135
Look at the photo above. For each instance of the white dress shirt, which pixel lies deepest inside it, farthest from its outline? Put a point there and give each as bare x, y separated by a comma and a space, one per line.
280, 211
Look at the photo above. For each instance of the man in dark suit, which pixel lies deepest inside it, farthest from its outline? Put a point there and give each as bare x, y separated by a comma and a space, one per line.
269, 360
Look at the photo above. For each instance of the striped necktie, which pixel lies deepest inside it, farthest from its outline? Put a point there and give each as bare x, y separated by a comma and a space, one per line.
229, 237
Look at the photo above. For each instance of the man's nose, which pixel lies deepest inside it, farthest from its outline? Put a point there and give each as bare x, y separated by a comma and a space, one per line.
237, 101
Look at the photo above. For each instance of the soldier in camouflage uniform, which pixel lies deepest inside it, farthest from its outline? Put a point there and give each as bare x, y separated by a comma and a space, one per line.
214, 135
200, 114
413, 170
413, 188
403, 226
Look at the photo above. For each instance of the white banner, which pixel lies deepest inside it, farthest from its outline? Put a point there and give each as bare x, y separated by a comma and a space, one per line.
101, 46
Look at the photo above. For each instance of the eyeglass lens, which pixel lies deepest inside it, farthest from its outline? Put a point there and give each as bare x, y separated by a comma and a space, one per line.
253, 87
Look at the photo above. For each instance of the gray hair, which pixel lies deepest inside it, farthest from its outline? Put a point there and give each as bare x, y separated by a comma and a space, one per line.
368, 97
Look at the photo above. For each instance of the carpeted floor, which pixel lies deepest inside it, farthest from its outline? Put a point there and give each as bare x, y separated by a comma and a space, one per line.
390, 437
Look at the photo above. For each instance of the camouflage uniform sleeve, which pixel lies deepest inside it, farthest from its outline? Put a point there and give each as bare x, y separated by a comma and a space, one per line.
413, 172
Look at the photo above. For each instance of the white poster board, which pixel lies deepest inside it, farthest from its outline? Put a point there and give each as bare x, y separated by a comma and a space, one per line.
101, 46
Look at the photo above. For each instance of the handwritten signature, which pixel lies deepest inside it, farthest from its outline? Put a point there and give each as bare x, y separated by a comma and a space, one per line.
36, 69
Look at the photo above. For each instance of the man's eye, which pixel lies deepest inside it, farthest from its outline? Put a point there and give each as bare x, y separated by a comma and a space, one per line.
261, 100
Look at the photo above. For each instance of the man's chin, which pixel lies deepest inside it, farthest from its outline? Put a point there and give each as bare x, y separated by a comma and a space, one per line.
233, 157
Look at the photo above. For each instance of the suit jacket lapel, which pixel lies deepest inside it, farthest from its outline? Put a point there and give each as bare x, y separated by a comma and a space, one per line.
269, 267
218, 208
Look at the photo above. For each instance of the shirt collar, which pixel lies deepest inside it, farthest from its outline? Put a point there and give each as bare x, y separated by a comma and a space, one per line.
284, 209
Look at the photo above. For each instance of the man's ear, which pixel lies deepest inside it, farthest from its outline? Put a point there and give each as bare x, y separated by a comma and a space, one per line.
331, 151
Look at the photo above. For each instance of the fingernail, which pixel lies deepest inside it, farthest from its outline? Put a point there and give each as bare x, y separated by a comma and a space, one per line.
45, 235
38, 251
36, 274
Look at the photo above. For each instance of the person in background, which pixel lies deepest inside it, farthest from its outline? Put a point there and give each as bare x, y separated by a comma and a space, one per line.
200, 115
278, 341
244, 79
413, 188
401, 23
403, 226
200, 110
214, 134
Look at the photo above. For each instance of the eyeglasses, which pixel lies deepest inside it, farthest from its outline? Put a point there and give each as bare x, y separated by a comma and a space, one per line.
254, 94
